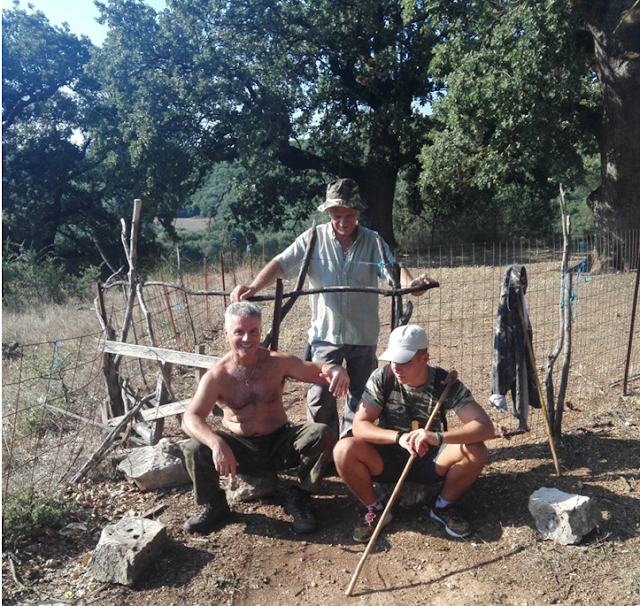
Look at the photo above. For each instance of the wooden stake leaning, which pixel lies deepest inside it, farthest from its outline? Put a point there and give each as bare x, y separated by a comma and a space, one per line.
449, 381
545, 414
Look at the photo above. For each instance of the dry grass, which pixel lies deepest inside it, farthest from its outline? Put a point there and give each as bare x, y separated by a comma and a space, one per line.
45, 323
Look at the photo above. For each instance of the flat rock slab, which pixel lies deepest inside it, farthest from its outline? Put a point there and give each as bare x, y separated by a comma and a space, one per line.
153, 467
410, 493
126, 549
244, 488
562, 517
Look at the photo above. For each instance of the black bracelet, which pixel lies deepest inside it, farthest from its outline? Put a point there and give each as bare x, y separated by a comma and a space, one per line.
439, 437
399, 435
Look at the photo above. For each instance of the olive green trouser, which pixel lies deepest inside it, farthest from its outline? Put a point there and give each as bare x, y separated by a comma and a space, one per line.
307, 447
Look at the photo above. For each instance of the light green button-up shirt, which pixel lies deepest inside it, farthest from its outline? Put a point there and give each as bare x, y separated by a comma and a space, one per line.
340, 318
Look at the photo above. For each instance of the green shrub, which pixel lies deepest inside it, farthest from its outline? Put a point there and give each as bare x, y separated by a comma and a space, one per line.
28, 515
30, 278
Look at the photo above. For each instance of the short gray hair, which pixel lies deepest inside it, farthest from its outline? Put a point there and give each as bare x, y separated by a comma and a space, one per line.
241, 309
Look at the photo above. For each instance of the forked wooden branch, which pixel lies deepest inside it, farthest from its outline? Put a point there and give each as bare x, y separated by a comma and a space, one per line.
452, 377
299, 282
294, 293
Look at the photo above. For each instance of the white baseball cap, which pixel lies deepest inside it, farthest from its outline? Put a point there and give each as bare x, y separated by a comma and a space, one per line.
404, 343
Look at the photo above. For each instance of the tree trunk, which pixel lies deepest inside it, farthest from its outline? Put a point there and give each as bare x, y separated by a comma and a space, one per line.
377, 188
615, 28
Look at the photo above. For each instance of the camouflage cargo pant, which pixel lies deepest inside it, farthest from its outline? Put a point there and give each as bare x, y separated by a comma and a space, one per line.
307, 447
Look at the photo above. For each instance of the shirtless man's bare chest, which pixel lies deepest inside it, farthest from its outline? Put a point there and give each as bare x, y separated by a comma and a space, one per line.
253, 406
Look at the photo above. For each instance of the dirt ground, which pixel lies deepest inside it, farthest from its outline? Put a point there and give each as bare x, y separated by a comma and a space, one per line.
256, 559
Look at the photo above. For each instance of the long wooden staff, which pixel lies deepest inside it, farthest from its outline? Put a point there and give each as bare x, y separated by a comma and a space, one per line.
449, 381
545, 414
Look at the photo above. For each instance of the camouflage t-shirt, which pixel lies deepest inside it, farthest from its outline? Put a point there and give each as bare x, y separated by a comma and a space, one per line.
408, 403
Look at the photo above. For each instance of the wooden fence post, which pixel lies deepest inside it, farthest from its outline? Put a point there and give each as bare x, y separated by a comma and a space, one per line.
109, 368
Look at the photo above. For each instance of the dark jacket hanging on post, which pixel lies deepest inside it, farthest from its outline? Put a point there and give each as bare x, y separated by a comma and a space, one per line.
512, 368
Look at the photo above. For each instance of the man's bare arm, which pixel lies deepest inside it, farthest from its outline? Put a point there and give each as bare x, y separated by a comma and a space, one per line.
365, 428
194, 419
194, 423
477, 426
267, 275
310, 372
406, 280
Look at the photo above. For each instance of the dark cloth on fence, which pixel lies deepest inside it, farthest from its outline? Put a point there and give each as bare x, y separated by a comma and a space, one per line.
512, 368
307, 447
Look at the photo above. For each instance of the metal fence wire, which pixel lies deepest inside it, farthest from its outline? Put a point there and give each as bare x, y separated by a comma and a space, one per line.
53, 393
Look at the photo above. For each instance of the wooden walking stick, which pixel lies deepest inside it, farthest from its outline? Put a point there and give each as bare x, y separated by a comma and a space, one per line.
449, 381
545, 414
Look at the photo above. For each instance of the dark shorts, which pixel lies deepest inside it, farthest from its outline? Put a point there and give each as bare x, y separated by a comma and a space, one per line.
394, 457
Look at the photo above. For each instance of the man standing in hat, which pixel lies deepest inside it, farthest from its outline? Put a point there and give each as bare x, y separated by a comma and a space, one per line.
344, 326
379, 452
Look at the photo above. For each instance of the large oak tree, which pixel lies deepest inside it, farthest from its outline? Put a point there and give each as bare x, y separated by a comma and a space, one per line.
614, 26
298, 92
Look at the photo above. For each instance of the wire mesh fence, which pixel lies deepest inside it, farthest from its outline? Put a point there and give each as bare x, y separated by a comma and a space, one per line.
51, 396
54, 393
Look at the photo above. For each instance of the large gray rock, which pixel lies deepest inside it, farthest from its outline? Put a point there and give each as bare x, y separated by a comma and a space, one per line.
126, 549
247, 488
562, 517
410, 493
153, 467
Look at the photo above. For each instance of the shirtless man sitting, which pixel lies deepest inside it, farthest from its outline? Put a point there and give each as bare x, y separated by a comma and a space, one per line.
255, 437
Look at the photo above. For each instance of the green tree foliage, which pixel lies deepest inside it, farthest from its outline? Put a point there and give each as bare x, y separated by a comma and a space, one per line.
297, 92
145, 138
218, 191
509, 126
48, 182
282, 95
62, 200
30, 277
294, 93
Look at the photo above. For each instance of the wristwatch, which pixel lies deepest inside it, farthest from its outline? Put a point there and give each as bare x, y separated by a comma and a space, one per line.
399, 435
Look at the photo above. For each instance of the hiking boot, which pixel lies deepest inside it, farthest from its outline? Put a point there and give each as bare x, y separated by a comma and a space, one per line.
363, 532
299, 508
454, 523
208, 515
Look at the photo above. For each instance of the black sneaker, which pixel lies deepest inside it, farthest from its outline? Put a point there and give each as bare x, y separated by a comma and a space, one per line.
299, 508
454, 523
208, 515
363, 532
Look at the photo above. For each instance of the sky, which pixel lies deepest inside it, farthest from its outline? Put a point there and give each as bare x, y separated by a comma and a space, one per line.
80, 15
